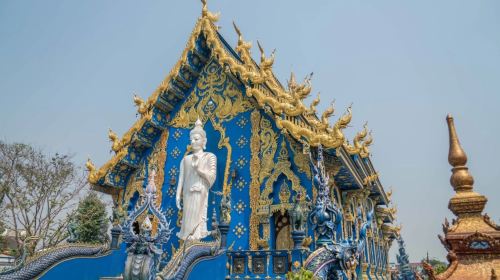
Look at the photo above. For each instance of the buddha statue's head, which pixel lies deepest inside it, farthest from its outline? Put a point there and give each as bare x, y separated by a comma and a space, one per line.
198, 137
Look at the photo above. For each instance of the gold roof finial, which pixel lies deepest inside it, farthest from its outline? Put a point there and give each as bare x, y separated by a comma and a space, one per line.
205, 13
328, 113
265, 63
142, 106
243, 48
238, 31
116, 143
465, 200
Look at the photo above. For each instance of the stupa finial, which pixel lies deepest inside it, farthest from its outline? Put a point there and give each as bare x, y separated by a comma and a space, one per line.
461, 179
465, 201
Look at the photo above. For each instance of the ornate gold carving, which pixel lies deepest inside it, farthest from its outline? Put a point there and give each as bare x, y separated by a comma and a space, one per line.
268, 145
332, 139
157, 161
365, 151
116, 143
314, 103
370, 178
207, 101
142, 107
224, 142
205, 13
284, 194
255, 182
281, 167
299, 158
356, 149
135, 183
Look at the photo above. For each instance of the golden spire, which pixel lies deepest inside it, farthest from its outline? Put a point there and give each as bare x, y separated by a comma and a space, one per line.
465, 200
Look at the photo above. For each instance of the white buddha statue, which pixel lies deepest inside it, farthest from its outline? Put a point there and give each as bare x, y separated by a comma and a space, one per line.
197, 174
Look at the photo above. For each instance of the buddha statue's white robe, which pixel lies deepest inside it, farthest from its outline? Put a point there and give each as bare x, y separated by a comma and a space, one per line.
195, 186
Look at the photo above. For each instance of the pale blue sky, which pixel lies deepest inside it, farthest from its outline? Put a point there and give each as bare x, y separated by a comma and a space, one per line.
68, 70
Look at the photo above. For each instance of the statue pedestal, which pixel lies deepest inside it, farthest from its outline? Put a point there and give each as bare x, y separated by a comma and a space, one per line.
298, 238
224, 228
116, 232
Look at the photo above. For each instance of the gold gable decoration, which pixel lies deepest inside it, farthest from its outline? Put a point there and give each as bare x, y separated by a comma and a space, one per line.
209, 102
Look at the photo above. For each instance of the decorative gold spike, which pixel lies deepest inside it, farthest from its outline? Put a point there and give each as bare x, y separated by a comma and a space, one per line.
205, 13
292, 82
465, 201
92, 177
243, 48
265, 63
142, 107
90, 166
365, 151
116, 143
357, 147
328, 113
461, 178
240, 37
314, 103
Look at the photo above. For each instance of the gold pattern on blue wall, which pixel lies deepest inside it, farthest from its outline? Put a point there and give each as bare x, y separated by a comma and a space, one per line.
242, 122
240, 183
242, 141
242, 161
240, 206
175, 153
239, 230
173, 171
169, 212
177, 134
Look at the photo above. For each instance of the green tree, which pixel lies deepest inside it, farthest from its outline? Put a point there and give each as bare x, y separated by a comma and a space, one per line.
91, 219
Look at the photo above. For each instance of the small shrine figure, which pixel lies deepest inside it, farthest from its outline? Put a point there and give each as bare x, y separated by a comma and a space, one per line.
197, 174
298, 214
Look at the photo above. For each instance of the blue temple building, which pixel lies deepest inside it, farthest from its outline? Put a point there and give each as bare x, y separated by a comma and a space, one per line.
291, 192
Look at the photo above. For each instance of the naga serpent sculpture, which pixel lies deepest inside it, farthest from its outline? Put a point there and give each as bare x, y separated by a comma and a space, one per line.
331, 256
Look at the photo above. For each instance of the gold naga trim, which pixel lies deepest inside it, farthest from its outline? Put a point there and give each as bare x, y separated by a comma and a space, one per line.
299, 158
365, 151
333, 138
357, 146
